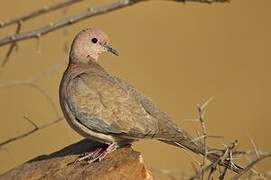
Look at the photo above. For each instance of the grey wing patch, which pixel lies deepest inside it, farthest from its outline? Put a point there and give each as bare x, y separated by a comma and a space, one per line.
167, 128
151, 109
90, 121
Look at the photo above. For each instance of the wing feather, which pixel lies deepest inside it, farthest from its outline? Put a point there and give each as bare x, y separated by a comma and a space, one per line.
104, 105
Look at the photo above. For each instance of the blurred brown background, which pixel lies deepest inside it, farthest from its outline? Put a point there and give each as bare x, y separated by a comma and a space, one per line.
177, 54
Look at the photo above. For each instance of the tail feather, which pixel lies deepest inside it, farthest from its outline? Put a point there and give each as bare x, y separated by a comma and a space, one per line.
198, 148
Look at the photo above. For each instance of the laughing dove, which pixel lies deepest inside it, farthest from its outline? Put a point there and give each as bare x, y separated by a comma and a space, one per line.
107, 109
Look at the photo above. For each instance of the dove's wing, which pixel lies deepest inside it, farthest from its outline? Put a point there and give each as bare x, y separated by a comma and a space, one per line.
167, 129
103, 105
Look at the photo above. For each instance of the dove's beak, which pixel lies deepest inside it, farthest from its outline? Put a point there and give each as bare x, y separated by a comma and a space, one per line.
110, 49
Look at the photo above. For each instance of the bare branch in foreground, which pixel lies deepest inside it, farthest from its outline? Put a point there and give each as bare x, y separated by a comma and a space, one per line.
213, 166
228, 154
201, 111
79, 17
203, 136
250, 166
44, 10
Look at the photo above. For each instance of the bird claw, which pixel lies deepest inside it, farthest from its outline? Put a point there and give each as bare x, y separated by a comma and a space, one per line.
89, 155
97, 154
102, 154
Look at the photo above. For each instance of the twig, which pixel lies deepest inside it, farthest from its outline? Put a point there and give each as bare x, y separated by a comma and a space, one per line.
44, 10
222, 176
212, 167
12, 46
255, 147
227, 157
201, 111
248, 167
66, 21
36, 128
212, 170
79, 17
256, 152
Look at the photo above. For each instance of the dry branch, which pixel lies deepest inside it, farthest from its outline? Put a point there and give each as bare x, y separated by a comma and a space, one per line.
44, 10
250, 166
201, 111
213, 166
37, 33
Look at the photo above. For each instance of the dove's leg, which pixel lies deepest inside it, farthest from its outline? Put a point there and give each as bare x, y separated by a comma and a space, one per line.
101, 154
98, 154
89, 155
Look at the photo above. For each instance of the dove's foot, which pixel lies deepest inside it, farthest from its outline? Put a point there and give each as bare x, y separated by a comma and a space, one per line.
98, 154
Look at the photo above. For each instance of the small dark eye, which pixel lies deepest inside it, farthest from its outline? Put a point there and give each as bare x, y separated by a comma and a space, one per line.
94, 40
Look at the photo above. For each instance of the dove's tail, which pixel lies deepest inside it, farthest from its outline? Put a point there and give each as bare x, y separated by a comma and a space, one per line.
198, 148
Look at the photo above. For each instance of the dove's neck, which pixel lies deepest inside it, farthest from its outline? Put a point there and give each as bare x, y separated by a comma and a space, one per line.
91, 66
78, 55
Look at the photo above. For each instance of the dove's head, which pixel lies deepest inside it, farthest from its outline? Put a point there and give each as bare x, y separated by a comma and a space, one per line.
89, 44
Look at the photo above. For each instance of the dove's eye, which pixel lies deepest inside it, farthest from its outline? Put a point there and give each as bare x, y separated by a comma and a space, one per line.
94, 40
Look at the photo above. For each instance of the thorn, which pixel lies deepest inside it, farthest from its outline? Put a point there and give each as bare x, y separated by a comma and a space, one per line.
90, 9
71, 20
38, 44
255, 148
205, 104
45, 7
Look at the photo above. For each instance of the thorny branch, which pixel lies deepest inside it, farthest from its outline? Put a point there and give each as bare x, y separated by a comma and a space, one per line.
201, 111
228, 154
44, 10
90, 12
213, 166
250, 166
21, 19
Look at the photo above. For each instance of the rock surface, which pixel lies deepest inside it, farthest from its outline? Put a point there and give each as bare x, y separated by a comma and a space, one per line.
123, 163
